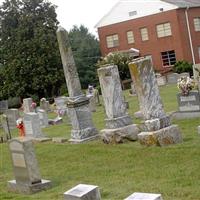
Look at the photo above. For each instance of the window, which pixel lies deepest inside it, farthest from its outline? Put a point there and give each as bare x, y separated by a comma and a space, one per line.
164, 30
197, 24
144, 34
112, 41
132, 13
130, 37
168, 58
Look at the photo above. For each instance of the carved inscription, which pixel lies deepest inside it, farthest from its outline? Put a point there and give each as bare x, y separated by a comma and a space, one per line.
18, 160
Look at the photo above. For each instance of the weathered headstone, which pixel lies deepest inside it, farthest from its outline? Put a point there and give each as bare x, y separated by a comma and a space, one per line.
3, 106
27, 176
77, 103
6, 128
83, 192
172, 78
161, 80
12, 115
32, 125
144, 196
157, 125
43, 118
44, 105
92, 102
27, 105
119, 125
61, 103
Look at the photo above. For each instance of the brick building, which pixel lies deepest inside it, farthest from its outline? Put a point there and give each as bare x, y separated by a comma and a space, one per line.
165, 30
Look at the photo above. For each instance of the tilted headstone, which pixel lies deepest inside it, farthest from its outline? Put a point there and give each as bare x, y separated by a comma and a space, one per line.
12, 115
3, 106
119, 125
27, 105
83, 192
27, 176
77, 103
157, 125
43, 118
144, 196
32, 125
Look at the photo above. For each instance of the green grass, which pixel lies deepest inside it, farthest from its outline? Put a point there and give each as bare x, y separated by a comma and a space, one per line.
119, 170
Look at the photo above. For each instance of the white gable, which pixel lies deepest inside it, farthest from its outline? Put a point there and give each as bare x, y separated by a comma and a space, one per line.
131, 9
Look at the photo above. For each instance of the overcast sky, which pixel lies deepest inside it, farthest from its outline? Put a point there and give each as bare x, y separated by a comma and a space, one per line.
77, 12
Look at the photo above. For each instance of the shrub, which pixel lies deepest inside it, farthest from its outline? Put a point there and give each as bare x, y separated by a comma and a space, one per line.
183, 66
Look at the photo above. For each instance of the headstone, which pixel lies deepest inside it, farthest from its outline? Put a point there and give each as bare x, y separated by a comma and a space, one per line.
6, 128
144, 196
27, 105
83, 192
77, 103
44, 104
32, 125
172, 78
3, 106
161, 80
27, 176
12, 115
61, 103
158, 128
43, 118
189, 106
116, 111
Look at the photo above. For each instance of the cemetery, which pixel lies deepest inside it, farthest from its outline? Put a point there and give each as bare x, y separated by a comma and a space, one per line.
89, 144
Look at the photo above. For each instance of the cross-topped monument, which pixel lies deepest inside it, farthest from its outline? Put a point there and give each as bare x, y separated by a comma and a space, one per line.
77, 103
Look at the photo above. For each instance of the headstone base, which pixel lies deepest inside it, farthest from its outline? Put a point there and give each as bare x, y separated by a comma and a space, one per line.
185, 115
77, 141
40, 139
119, 135
29, 189
144, 196
59, 140
118, 122
162, 137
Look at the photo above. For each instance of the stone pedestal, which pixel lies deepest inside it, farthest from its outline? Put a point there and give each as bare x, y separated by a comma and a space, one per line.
83, 129
144, 196
27, 176
118, 120
83, 192
157, 125
78, 105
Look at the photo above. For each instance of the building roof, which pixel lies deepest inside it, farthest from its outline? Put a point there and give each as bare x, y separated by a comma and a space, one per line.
132, 9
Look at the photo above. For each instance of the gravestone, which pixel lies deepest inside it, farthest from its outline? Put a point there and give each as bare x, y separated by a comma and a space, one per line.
44, 105
27, 105
12, 115
6, 128
172, 78
161, 80
92, 102
119, 125
43, 118
32, 125
157, 126
3, 106
144, 196
77, 103
188, 106
27, 176
83, 192
61, 104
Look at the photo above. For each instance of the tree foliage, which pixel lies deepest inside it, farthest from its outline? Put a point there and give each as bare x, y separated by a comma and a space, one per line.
30, 59
86, 52
183, 66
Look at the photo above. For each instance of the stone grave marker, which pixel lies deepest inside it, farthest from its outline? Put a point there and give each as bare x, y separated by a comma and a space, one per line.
44, 105
43, 118
27, 105
6, 128
144, 196
119, 125
3, 106
157, 126
12, 115
83, 192
172, 78
27, 176
77, 103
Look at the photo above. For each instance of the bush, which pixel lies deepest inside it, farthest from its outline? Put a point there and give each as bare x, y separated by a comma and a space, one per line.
14, 102
183, 66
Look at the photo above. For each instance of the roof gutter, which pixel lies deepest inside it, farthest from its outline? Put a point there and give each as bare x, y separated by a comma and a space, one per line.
189, 34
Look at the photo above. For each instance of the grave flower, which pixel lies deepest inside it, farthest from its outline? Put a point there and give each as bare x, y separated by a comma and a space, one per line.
185, 84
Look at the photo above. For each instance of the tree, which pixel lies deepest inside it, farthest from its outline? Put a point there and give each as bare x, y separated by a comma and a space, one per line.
86, 52
29, 50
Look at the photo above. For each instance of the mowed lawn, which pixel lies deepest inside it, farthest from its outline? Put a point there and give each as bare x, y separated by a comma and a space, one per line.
119, 170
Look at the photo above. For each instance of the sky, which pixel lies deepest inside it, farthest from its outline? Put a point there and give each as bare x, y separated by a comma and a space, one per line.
77, 12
